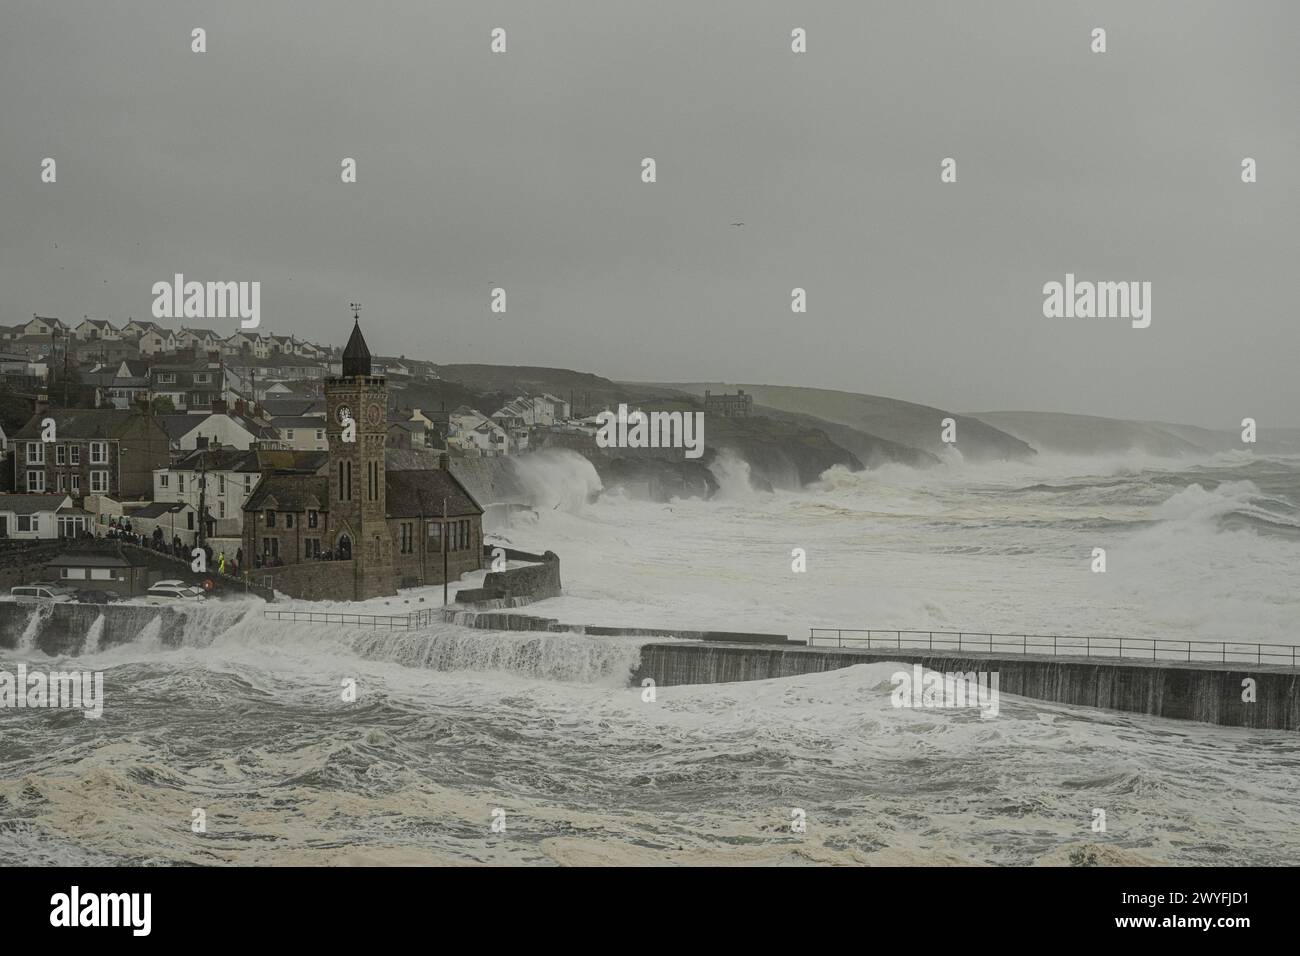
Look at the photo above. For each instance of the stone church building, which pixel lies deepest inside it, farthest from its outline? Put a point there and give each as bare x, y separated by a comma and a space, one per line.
358, 529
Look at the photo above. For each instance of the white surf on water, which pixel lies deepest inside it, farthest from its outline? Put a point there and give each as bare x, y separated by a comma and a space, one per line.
246, 717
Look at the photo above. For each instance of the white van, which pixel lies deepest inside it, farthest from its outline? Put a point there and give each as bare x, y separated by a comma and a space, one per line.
42, 594
168, 592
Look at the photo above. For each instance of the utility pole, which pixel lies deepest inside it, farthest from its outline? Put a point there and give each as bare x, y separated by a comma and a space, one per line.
445, 542
203, 491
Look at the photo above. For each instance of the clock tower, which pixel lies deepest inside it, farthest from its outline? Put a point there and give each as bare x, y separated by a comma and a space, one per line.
356, 408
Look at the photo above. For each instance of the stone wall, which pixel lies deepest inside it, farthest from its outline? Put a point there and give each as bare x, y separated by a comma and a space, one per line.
536, 581
312, 581
23, 562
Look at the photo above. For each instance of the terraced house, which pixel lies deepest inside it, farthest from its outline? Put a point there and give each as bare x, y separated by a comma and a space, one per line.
89, 451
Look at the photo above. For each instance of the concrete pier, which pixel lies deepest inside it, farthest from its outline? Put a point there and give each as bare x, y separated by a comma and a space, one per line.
1211, 693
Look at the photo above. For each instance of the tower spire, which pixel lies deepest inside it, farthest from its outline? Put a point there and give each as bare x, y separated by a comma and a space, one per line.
356, 356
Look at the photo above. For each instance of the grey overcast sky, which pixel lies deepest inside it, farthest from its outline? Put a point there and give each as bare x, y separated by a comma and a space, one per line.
523, 170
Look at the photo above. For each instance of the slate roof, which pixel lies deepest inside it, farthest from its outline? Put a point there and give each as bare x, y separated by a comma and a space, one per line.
84, 423
303, 462
30, 504
309, 421
413, 493
289, 492
218, 459
157, 509
410, 459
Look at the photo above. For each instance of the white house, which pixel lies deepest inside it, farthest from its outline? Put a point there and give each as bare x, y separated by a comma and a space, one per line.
157, 341
96, 330
302, 434
40, 325
239, 343
201, 340
231, 477
474, 432
220, 429
30, 517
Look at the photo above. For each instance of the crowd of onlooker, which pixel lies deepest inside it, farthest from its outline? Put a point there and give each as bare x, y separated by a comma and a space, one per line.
122, 531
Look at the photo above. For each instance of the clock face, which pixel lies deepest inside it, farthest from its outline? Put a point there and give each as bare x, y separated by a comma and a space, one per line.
374, 415
345, 413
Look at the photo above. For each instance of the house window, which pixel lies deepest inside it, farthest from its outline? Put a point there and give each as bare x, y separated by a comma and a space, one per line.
221, 509
63, 482
221, 484
372, 479
288, 519
248, 484
99, 453
189, 521
76, 484
98, 482
271, 547
320, 434
270, 519
74, 454
408, 536
288, 434
453, 539
73, 574
180, 483
36, 453
164, 481
61, 455
166, 378
35, 482
435, 536
101, 574
464, 534
313, 547
24, 522
313, 519
202, 378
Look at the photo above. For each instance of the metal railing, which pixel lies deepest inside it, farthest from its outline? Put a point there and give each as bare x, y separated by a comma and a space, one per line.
1138, 648
420, 618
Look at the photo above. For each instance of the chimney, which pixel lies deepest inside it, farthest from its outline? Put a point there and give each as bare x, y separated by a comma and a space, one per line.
42, 403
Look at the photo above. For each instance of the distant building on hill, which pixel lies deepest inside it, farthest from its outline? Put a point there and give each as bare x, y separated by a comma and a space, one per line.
739, 405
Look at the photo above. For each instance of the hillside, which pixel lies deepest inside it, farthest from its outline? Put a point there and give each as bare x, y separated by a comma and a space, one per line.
901, 423
1091, 435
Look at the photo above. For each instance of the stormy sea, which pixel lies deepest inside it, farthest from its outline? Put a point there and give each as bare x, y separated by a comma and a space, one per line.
470, 746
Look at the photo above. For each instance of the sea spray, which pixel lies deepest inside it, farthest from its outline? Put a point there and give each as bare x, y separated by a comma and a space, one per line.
40, 614
95, 636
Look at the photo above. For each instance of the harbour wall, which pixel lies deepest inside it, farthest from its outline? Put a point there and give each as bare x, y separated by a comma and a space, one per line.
1210, 693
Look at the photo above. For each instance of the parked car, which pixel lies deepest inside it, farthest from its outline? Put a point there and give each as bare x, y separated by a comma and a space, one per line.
97, 597
42, 594
167, 592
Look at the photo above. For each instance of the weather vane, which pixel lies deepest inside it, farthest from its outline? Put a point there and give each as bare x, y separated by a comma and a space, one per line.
356, 311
